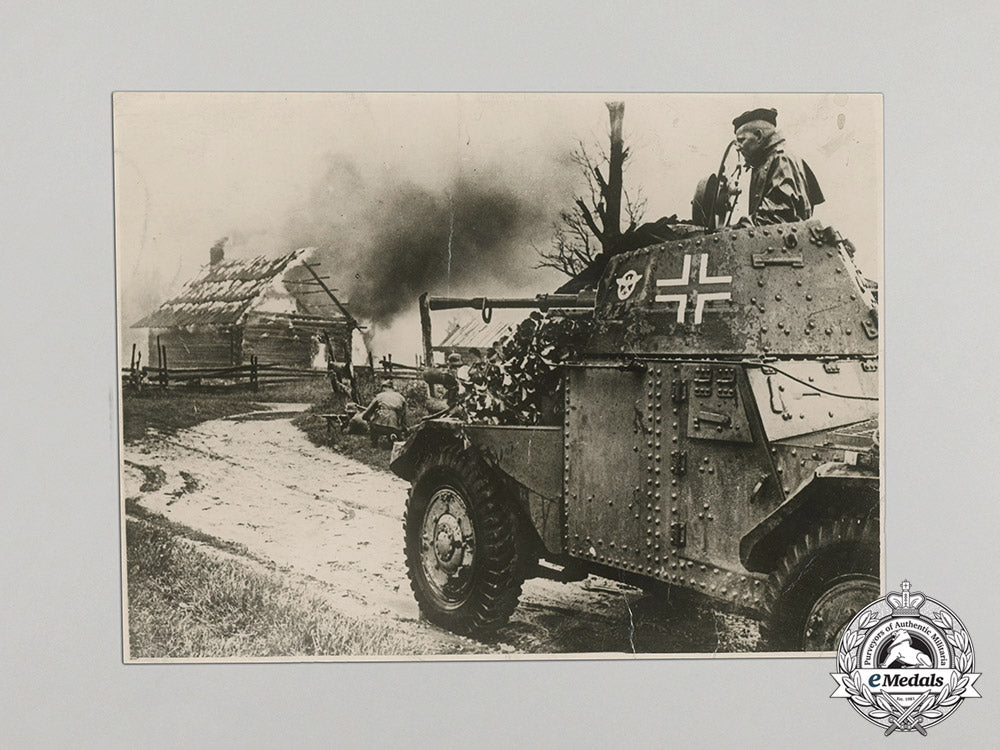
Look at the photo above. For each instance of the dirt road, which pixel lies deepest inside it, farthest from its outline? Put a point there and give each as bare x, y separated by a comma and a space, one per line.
319, 516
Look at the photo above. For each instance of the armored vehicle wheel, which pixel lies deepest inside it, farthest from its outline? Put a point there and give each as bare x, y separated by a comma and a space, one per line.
823, 581
460, 545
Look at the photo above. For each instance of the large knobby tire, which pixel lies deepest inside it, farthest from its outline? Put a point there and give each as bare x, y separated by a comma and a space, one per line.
823, 581
461, 552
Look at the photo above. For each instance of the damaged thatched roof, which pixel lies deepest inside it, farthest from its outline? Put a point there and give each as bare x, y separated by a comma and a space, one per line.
226, 290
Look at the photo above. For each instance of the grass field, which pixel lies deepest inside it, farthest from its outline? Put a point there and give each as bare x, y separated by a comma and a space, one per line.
188, 601
170, 409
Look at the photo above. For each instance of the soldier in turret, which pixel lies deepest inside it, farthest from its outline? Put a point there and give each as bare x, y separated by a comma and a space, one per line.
782, 187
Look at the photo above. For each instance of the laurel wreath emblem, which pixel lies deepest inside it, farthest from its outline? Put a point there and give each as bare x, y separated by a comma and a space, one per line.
880, 706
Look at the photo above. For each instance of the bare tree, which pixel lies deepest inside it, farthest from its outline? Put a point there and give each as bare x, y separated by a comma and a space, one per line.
593, 224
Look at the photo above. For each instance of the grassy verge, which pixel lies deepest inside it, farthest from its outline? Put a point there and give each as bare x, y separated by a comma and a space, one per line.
168, 411
136, 512
172, 409
187, 602
359, 447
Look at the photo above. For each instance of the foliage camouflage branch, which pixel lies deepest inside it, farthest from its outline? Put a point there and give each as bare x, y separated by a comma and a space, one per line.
522, 382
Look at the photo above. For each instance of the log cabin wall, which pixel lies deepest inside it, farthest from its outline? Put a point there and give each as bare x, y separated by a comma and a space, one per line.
291, 340
196, 346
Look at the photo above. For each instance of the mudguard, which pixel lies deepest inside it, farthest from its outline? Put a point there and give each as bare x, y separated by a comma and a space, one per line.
425, 437
530, 457
834, 490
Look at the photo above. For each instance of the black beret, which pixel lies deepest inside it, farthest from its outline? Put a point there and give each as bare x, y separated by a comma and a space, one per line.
768, 115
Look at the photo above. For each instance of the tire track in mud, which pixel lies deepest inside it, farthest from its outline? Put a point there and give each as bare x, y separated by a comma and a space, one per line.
154, 476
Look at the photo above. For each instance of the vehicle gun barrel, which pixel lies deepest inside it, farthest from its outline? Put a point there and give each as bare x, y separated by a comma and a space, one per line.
542, 302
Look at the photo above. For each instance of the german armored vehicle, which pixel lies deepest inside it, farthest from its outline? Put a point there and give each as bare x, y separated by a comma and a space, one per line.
719, 433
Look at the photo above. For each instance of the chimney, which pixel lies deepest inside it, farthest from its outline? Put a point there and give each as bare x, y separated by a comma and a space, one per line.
216, 254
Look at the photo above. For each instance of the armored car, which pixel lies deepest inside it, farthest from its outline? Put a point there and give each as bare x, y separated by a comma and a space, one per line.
719, 433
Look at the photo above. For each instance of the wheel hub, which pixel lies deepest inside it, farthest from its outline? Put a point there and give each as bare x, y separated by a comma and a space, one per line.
448, 543
833, 611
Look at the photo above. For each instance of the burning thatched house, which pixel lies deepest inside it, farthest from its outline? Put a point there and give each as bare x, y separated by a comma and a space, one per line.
279, 309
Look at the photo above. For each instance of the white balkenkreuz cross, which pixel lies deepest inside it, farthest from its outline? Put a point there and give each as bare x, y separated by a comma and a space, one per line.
700, 297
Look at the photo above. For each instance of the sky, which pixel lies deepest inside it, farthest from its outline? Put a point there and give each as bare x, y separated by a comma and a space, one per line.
449, 193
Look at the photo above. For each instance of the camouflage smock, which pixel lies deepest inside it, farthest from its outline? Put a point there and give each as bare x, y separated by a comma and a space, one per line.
387, 409
782, 186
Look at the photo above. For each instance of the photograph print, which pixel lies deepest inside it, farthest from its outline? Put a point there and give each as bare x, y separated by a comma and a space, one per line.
459, 375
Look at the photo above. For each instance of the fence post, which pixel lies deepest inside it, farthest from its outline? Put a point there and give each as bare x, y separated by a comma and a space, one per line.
164, 377
253, 371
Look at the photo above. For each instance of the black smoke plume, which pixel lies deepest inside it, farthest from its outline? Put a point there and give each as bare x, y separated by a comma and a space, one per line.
386, 242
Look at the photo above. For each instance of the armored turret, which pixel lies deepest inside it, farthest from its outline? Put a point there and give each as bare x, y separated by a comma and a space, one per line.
789, 290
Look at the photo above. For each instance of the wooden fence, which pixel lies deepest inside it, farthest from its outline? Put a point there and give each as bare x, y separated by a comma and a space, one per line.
397, 370
253, 374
